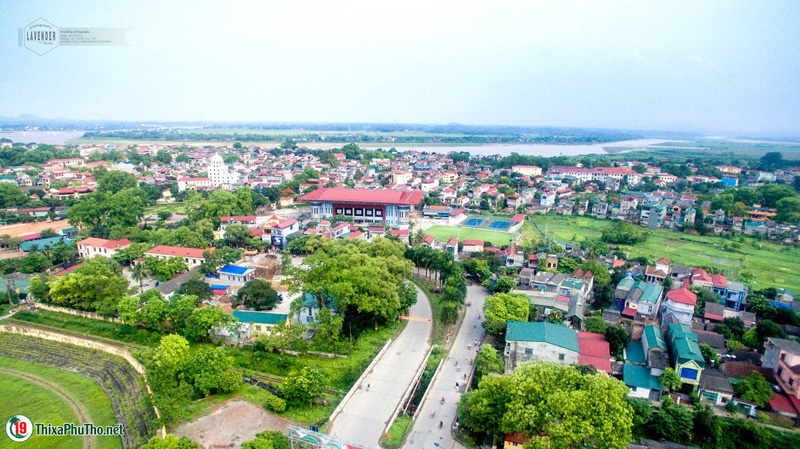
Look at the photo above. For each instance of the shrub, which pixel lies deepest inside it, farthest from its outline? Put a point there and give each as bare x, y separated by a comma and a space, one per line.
275, 404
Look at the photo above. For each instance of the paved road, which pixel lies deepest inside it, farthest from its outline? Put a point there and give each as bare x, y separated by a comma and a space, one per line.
366, 413
426, 429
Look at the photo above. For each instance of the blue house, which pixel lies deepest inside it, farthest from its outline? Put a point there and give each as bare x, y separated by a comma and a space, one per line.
235, 273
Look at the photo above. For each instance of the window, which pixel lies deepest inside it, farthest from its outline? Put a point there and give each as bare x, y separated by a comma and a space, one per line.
791, 382
562, 356
783, 356
529, 352
633, 389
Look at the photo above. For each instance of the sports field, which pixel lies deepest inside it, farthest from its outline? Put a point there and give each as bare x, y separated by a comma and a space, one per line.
443, 233
50, 395
760, 264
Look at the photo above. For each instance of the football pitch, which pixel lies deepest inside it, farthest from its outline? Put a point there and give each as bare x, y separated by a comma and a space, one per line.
497, 238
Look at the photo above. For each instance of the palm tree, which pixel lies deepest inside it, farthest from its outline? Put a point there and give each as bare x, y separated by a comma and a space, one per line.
138, 274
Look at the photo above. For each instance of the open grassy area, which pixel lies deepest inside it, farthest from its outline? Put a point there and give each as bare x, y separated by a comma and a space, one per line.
443, 233
22, 396
102, 329
304, 415
175, 208
759, 263
394, 438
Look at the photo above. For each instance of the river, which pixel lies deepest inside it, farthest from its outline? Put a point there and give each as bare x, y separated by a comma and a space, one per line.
537, 149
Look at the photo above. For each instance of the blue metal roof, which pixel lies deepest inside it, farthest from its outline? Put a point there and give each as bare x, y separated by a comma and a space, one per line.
233, 269
32, 245
219, 287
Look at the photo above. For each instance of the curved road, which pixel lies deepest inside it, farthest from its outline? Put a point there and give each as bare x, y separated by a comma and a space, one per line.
365, 414
426, 430
76, 405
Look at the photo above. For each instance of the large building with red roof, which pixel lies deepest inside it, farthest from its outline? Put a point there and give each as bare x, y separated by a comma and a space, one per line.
90, 247
192, 256
680, 304
364, 206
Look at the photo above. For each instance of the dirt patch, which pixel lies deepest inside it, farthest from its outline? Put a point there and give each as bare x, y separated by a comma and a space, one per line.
231, 423
16, 230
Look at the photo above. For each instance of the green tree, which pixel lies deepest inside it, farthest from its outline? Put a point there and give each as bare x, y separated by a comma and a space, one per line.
165, 269
238, 235
595, 324
269, 439
202, 320
329, 324
94, 286
138, 274
195, 287
103, 210
706, 429
617, 338
709, 354
558, 406
179, 309
621, 232
600, 271
303, 386
257, 294
487, 361
754, 388
116, 181
788, 210
670, 380
503, 307
172, 442
210, 371
673, 422
11, 195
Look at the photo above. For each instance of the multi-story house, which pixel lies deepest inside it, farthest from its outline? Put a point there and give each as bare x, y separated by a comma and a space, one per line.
680, 303
685, 353
783, 356
90, 247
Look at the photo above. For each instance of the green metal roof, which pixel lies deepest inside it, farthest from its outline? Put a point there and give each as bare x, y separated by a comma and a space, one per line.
259, 317
655, 338
571, 283
555, 334
683, 344
626, 282
652, 293
639, 377
634, 353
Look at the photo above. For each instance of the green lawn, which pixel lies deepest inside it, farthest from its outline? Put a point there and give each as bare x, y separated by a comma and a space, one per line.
121, 333
21, 396
759, 263
176, 208
443, 233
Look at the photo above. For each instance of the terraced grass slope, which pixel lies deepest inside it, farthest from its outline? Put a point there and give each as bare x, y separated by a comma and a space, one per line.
123, 387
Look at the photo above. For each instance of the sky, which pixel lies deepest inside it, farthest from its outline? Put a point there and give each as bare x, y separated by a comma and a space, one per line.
711, 67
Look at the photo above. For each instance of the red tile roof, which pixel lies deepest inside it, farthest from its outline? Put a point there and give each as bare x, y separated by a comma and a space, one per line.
187, 179
27, 237
683, 296
782, 404
518, 218
719, 280
518, 438
238, 218
399, 232
363, 196
103, 243
629, 312
68, 270
177, 251
594, 351
285, 224
473, 242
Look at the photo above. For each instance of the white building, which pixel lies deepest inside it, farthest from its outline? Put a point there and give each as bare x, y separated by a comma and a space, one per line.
90, 247
219, 174
680, 303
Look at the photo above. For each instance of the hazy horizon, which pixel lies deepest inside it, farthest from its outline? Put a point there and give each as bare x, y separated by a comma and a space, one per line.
711, 68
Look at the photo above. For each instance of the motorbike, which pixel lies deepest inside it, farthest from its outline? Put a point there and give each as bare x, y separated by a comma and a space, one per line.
433, 412
440, 424
441, 401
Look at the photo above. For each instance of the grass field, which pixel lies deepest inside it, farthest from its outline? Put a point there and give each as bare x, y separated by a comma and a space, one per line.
175, 208
40, 404
443, 233
759, 263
